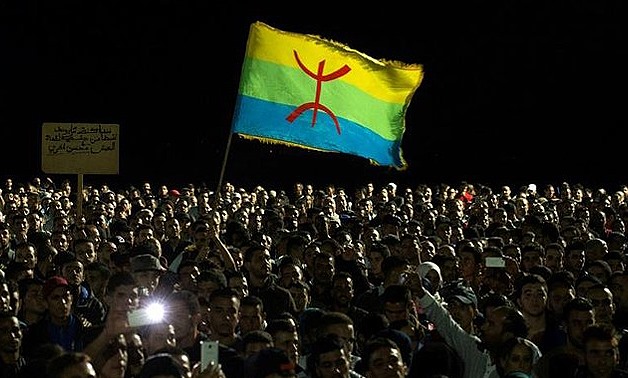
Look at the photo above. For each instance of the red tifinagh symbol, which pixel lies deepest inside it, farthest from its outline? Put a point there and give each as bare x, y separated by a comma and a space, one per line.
316, 105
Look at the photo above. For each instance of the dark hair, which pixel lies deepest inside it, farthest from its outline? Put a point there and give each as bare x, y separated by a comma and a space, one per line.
600, 332
58, 365
577, 304
322, 345
375, 344
213, 275
257, 336
189, 298
514, 321
117, 279
226, 293
396, 294
527, 279
25, 283
280, 325
252, 300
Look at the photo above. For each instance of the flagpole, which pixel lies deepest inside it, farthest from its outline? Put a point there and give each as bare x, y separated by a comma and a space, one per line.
222, 169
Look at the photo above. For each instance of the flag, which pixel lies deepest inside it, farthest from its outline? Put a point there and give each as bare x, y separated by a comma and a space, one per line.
306, 91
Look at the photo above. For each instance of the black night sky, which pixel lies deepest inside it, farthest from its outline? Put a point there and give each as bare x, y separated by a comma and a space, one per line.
514, 92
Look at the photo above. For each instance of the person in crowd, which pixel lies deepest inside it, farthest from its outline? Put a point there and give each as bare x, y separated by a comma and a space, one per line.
382, 358
574, 242
12, 360
328, 358
480, 354
601, 353
61, 325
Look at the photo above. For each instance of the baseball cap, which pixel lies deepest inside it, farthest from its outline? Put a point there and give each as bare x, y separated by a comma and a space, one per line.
462, 293
53, 283
146, 262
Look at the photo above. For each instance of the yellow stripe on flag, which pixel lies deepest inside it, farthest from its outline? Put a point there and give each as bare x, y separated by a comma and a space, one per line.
393, 82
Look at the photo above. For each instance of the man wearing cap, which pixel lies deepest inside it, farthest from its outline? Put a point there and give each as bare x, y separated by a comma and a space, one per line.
60, 325
478, 353
147, 270
462, 304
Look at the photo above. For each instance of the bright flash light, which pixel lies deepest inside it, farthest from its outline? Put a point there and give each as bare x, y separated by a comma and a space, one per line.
155, 312
151, 314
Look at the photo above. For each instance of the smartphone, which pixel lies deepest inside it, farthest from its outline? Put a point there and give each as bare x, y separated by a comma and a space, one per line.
495, 262
209, 353
151, 314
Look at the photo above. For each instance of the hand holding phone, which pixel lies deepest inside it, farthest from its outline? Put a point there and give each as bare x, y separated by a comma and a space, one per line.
209, 353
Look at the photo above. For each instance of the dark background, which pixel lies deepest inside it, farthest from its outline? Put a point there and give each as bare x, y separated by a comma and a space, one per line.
514, 92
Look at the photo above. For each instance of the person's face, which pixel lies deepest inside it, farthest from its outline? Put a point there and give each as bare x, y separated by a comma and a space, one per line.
601, 358
345, 332
324, 268
59, 303
395, 311
116, 358
123, 299
375, 258
462, 313
492, 329
619, 288
386, 362
519, 359
288, 342
468, 266
333, 364
558, 298
533, 299
290, 273
10, 335
602, 300
342, 290
187, 277
260, 264
251, 318
181, 319
575, 260
73, 272
531, 259
26, 254
33, 300
160, 335
224, 315
450, 270
148, 279
577, 322
300, 296
5, 297
86, 253
554, 259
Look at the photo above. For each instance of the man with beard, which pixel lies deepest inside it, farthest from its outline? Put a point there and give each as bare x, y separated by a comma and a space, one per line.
263, 283
342, 294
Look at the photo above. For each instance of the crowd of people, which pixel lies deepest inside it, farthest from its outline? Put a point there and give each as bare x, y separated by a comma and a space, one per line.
378, 280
